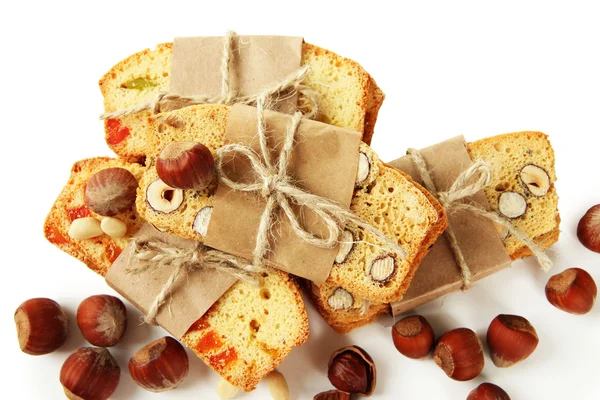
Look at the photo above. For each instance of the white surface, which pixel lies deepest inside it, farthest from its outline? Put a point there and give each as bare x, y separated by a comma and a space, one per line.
449, 68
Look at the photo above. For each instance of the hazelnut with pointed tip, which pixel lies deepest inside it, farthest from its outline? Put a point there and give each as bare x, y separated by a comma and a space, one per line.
573, 291
186, 165
102, 320
413, 337
41, 326
511, 339
459, 353
588, 229
488, 391
159, 366
90, 373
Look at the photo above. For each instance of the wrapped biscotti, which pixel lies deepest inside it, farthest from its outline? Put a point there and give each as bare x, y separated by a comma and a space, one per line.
348, 95
519, 192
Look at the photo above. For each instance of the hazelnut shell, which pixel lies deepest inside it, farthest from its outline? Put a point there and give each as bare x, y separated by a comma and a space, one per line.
511, 339
41, 326
102, 320
186, 165
459, 354
588, 229
573, 291
111, 191
488, 391
352, 370
90, 373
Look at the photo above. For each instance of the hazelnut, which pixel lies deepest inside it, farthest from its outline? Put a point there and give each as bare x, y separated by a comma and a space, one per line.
413, 337
186, 165
202, 220
160, 365
352, 370
588, 230
382, 268
332, 395
573, 291
459, 353
278, 386
511, 339
90, 373
163, 198
512, 205
488, 391
111, 191
102, 320
341, 299
346, 246
41, 326
535, 179
364, 167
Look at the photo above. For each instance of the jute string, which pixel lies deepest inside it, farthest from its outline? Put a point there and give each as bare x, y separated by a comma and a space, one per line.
475, 178
154, 254
275, 186
289, 86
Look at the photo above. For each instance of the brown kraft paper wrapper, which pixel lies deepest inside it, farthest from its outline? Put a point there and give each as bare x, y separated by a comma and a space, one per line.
324, 162
439, 274
190, 297
256, 62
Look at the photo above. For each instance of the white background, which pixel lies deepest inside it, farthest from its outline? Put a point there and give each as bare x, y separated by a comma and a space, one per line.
448, 68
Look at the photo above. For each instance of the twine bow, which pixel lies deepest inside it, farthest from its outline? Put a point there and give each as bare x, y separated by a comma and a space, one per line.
275, 186
154, 254
289, 86
475, 178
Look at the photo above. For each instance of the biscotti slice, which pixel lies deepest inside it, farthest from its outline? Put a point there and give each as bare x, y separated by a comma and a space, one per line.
342, 310
349, 97
523, 188
383, 197
101, 251
243, 336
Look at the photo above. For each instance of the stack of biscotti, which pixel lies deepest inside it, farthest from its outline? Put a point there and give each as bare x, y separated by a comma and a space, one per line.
348, 95
349, 98
383, 197
273, 317
522, 165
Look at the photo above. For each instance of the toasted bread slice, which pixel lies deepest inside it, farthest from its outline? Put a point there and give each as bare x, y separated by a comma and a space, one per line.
385, 198
243, 336
523, 163
349, 97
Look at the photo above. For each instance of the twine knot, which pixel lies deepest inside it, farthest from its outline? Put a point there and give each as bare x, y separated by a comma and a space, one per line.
273, 183
475, 178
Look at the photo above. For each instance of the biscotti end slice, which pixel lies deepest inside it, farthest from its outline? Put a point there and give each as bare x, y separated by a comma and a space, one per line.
350, 98
523, 188
251, 329
101, 251
393, 203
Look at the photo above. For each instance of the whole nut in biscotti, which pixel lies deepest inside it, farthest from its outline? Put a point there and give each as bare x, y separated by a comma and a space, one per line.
102, 320
341, 299
186, 165
459, 354
90, 373
512, 205
41, 326
160, 366
111, 191
413, 336
278, 386
488, 391
535, 179
85, 228
202, 220
226, 390
364, 167
573, 291
352, 370
511, 339
113, 227
332, 395
588, 230
163, 198
345, 247
382, 269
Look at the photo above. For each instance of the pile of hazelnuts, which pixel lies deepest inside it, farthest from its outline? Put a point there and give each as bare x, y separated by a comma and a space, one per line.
510, 338
92, 372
